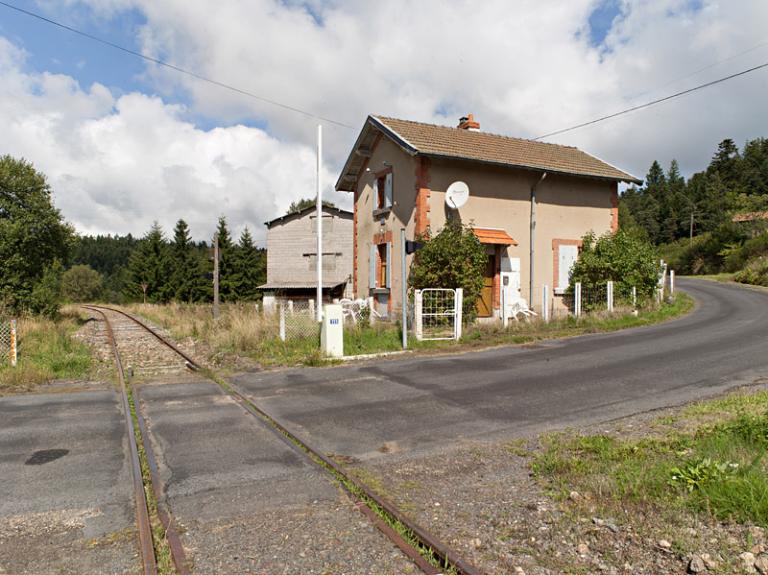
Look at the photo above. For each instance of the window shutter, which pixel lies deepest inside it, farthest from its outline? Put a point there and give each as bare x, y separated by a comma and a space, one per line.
388, 190
375, 196
372, 267
389, 263
567, 257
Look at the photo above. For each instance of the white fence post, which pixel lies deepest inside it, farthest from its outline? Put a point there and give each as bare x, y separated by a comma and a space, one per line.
417, 310
458, 303
577, 299
282, 321
634, 296
14, 347
672, 282
545, 303
504, 316
290, 306
312, 308
371, 317
609, 293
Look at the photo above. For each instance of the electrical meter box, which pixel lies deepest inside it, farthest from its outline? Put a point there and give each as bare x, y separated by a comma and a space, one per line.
332, 331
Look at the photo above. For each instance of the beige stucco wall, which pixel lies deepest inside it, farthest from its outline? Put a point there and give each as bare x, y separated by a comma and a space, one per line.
290, 239
567, 208
401, 215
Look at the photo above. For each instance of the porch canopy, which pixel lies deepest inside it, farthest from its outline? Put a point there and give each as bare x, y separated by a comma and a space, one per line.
494, 236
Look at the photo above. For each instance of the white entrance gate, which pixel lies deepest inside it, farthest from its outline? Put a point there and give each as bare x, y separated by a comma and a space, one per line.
437, 313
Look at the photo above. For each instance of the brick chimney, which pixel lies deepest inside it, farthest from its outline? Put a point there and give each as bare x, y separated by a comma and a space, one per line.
468, 123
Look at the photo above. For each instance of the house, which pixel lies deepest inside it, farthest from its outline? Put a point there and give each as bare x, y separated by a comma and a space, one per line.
292, 256
529, 202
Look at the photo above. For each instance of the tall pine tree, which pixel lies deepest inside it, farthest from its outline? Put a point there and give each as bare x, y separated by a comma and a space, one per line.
226, 262
148, 268
187, 281
250, 268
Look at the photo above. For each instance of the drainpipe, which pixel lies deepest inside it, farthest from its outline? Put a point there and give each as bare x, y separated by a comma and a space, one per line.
533, 234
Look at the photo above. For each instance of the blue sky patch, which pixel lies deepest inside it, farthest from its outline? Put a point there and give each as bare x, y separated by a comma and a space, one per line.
601, 20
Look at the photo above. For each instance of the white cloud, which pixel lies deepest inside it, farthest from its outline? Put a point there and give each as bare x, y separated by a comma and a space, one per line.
118, 164
523, 68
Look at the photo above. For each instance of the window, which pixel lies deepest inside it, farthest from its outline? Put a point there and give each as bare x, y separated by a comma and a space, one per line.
382, 192
566, 252
380, 266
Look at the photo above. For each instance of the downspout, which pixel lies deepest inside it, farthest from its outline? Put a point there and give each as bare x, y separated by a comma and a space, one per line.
533, 235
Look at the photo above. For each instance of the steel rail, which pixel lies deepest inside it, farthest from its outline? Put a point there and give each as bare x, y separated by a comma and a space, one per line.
140, 498
446, 556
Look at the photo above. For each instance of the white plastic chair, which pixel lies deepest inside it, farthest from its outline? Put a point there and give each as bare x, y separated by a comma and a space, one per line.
520, 307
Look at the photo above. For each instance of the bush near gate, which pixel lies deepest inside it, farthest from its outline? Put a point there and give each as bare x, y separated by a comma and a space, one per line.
626, 258
454, 258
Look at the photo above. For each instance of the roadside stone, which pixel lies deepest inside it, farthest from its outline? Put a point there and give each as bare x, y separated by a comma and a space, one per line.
582, 548
709, 561
761, 564
519, 571
748, 561
575, 496
696, 565
664, 544
757, 533
757, 549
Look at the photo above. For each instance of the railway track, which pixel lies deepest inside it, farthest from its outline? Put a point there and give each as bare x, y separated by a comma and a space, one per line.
430, 554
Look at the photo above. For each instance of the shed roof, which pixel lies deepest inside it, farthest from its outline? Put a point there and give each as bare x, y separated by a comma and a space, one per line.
446, 142
303, 211
494, 236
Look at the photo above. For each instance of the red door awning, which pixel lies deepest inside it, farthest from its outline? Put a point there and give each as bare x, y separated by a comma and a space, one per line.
494, 236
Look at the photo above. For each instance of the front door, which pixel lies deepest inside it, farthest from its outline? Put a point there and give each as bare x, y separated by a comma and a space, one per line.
485, 301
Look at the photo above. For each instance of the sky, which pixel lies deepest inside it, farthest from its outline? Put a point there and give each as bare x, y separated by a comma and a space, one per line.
125, 142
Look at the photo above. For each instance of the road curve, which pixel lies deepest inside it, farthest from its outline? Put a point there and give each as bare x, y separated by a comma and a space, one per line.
419, 403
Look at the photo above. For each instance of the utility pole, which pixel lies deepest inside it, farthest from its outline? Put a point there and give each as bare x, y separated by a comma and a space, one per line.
691, 236
319, 224
216, 275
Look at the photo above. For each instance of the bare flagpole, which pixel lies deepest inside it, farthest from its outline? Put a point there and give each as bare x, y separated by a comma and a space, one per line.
319, 258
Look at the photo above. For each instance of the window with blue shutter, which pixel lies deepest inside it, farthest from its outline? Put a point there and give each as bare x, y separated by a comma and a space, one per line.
372, 266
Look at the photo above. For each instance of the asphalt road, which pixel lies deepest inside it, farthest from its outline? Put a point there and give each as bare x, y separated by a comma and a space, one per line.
423, 403
66, 504
247, 501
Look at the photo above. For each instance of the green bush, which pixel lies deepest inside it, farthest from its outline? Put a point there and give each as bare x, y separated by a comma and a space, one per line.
454, 258
624, 257
755, 272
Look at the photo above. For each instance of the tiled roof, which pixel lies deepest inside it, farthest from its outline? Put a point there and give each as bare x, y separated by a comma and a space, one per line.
494, 236
299, 285
433, 140
750, 217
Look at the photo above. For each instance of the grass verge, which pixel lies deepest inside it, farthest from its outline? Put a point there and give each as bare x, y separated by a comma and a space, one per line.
710, 460
46, 351
243, 331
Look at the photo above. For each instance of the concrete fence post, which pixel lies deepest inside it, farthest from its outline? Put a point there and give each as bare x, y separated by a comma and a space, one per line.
504, 317
282, 321
417, 309
312, 308
577, 299
672, 282
609, 295
458, 304
371, 318
634, 296
545, 303
14, 347
290, 306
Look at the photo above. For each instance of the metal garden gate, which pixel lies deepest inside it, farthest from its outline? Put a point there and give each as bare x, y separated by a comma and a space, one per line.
437, 313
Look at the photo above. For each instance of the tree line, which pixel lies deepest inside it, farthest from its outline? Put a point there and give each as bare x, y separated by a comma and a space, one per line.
734, 181
43, 261
692, 220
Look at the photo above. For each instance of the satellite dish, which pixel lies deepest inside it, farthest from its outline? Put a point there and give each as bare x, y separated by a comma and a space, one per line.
456, 195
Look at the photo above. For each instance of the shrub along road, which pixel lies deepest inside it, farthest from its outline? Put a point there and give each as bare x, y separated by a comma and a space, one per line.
421, 403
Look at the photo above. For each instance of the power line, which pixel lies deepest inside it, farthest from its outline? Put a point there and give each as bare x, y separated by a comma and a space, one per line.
654, 102
176, 68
